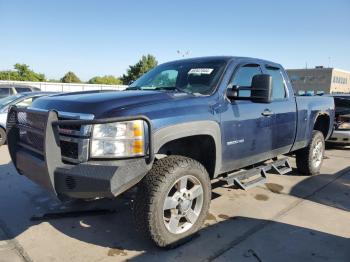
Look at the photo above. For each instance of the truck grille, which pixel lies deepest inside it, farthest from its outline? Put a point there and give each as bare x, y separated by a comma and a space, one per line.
68, 127
69, 149
32, 126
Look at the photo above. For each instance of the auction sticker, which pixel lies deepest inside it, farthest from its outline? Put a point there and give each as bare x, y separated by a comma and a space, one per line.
200, 71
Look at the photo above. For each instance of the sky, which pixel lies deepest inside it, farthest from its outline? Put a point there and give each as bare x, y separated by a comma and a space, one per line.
104, 37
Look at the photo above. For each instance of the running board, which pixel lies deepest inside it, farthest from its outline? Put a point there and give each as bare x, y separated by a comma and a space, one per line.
281, 166
246, 179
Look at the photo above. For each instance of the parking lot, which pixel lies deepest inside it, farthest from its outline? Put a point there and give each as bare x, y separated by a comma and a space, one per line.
290, 218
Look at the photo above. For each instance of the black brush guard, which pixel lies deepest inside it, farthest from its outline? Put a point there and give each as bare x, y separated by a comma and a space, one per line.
34, 147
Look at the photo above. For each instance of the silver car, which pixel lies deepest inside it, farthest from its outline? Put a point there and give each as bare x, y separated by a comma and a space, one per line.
10, 89
20, 100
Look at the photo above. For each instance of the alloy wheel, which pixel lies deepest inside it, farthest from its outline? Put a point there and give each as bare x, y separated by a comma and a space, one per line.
183, 204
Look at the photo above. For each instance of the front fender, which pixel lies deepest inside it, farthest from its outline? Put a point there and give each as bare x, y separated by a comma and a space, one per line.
170, 133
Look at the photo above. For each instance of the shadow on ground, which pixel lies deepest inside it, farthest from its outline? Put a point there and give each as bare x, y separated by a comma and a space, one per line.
22, 199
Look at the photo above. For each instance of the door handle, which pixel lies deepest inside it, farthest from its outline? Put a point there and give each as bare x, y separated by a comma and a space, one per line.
267, 112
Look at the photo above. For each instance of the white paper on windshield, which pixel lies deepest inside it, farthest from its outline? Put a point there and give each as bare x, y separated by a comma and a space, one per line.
200, 71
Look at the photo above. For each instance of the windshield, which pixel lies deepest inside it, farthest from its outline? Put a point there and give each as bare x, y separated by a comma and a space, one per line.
9, 99
185, 76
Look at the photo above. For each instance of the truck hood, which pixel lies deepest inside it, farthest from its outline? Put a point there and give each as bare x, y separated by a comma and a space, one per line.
102, 104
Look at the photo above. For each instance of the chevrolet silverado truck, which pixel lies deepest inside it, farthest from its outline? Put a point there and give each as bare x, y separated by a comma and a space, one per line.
168, 135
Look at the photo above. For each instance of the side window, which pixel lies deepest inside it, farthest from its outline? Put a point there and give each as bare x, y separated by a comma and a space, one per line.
278, 84
244, 76
22, 89
4, 92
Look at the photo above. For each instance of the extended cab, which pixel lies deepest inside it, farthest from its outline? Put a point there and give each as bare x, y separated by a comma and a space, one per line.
171, 132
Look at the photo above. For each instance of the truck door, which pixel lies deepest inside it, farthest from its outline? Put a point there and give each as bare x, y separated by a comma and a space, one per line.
246, 130
283, 108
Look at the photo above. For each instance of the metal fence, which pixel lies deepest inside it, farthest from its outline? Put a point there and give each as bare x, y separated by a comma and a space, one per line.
65, 87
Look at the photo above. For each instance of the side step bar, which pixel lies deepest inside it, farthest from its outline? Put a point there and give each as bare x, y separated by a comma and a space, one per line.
281, 166
246, 179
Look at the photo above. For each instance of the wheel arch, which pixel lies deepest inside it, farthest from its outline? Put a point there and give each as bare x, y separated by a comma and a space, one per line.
182, 139
322, 123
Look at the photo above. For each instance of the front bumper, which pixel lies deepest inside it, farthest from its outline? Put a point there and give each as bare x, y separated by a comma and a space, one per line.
91, 179
340, 137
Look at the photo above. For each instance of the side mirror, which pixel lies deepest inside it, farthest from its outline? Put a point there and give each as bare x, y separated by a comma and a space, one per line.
232, 91
261, 89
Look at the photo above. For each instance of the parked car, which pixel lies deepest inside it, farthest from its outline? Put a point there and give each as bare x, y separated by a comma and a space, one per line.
20, 100
341, 133
8, 90
172, 131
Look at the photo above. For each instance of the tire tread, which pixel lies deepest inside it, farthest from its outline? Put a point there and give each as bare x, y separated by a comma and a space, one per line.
150, 188
303, 162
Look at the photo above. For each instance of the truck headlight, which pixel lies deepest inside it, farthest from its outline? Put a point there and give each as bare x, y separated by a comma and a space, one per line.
120, 139
344, 126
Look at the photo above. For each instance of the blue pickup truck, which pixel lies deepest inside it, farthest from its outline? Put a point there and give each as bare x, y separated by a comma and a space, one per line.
168, 134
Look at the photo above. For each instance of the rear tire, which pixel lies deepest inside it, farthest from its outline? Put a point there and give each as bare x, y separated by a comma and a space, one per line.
309, 159
3, 136
172, 201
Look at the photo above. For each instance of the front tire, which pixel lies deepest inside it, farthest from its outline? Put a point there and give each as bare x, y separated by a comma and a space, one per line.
309, 159
173, 200
3, 136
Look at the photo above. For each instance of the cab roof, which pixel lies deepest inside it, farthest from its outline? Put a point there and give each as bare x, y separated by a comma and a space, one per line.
226, 59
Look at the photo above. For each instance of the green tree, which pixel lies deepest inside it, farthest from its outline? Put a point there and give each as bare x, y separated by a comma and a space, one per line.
9, 75
70, 77
22, 72
146, 63
105, 80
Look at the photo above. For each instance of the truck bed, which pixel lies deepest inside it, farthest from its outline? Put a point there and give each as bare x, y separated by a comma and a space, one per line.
308, 108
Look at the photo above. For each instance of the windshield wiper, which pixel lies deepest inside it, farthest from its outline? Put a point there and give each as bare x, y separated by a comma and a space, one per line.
173, 88
133, 88
165, 88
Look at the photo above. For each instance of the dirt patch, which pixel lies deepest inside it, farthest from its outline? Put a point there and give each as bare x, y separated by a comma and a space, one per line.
261, 197
116, 252
274, 188
223, 216
210, 216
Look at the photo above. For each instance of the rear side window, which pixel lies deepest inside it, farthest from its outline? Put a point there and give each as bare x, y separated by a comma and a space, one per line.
4, 91
278, 84
244, 77
23, 89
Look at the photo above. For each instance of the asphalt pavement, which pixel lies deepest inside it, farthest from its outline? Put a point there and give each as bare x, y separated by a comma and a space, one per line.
289, 218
